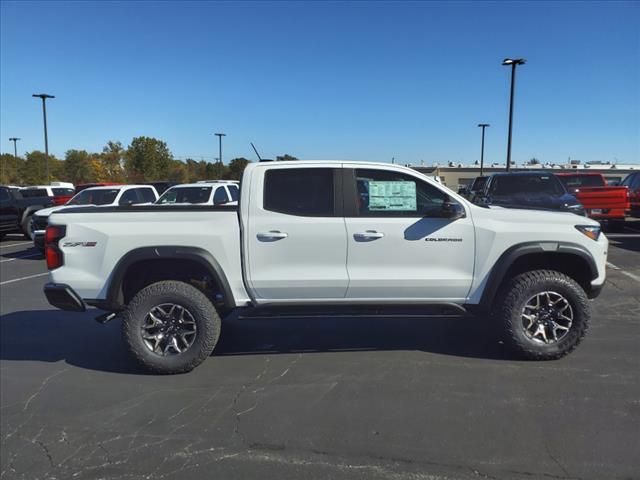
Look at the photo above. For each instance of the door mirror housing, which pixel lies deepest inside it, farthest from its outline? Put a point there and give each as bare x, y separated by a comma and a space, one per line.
453, 211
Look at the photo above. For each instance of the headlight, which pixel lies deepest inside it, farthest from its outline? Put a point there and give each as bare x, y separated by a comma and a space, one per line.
590, 231
577, 209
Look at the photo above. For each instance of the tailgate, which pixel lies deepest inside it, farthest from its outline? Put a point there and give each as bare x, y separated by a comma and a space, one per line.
608, 198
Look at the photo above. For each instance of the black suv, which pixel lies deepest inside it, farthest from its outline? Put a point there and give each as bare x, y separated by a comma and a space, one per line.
535, 190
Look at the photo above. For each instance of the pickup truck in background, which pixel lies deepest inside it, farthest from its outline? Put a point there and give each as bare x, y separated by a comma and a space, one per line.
325, 237
601, 202
214, 192
60, 192
632, 182
16, 211
96, 196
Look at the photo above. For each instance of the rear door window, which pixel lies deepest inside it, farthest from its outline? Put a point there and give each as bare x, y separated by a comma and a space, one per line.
129, 197
220, 196
147, 195
300, 191
234, 191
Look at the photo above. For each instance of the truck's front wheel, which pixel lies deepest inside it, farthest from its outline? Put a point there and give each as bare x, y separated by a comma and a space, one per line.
170, 327
545, 314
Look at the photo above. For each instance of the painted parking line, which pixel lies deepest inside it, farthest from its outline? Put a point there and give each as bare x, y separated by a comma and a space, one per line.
23, 256
15, 244
24, 278
624, 272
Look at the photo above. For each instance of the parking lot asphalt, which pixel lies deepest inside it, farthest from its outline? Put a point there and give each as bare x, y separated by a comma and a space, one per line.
349, 397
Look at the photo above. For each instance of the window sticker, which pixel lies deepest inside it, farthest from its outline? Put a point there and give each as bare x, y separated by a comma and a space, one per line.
392, 196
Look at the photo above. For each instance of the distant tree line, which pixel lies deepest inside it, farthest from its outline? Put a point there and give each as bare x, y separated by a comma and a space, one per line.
145, 159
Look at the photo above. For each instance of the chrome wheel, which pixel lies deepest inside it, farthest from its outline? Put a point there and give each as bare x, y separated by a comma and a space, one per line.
547, 317
168, 329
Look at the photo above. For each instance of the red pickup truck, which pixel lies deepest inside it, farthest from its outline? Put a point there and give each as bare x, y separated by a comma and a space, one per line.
601, 202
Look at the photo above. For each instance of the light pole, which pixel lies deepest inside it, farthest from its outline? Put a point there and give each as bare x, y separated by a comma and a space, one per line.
514, 62
220, 135
483, 126
44, 97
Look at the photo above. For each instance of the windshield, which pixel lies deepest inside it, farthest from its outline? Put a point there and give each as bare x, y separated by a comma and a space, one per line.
576, 181
515, 185
34, 192
186, 195
95, 197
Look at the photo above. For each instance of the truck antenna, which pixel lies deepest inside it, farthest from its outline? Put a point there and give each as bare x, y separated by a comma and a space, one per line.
256, 150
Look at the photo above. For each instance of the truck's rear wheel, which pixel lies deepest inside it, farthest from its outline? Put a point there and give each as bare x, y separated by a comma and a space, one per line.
170, 327
544, 313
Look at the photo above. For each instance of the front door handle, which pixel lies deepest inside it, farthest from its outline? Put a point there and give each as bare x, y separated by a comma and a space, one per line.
368, 236
271, 236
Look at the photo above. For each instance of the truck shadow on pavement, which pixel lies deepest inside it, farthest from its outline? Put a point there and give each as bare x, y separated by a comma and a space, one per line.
31, 253
52, 335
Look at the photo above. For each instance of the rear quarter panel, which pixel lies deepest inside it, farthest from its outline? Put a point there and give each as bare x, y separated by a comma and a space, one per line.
89, 269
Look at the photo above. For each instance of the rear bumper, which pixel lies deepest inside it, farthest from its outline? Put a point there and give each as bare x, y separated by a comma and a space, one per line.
38, 239
63, 297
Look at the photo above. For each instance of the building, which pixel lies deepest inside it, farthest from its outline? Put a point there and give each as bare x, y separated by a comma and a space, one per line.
456, 176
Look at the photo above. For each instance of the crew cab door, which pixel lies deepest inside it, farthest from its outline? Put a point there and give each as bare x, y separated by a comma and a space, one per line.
400, 244
296, 245
9, 213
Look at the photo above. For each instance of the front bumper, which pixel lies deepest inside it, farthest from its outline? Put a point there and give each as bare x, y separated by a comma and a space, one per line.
64, 297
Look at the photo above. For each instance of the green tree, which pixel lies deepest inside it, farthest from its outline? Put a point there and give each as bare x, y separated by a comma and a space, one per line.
10, 168
33, 170
534, 161
285, 157
178, 172
147, 158
78, 167
112, 159
236, 167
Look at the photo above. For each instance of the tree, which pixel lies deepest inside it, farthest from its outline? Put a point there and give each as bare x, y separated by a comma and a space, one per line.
147, 158
177, 172
533, 161
33, 170
236, 167
112, 159
285, 157
78, 167
10, 168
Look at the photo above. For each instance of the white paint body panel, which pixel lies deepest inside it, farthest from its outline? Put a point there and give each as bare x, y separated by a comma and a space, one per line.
318, 260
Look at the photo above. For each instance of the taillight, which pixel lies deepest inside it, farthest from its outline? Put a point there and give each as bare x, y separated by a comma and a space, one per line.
53, 253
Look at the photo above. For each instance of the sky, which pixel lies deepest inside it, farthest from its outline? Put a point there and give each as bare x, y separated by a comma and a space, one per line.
331, 80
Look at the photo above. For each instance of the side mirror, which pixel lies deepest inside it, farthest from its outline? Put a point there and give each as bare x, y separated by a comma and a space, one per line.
452, 210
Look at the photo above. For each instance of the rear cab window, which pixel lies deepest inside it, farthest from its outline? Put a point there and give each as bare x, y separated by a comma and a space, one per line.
300, 191
193, 195
577, 181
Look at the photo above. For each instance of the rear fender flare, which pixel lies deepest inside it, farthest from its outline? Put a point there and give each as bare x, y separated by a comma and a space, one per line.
115, 300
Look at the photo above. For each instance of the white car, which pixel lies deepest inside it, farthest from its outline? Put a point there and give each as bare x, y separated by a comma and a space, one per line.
214, 192
326, 236
99, 196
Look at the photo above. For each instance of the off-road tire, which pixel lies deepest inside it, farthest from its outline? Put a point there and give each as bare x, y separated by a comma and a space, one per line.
25, 227
204, 313
514, 295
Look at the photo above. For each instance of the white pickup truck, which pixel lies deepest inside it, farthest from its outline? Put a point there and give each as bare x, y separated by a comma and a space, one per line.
325, 236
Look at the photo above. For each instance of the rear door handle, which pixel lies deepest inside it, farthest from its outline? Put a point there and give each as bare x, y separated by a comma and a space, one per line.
368, 236
271, 236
